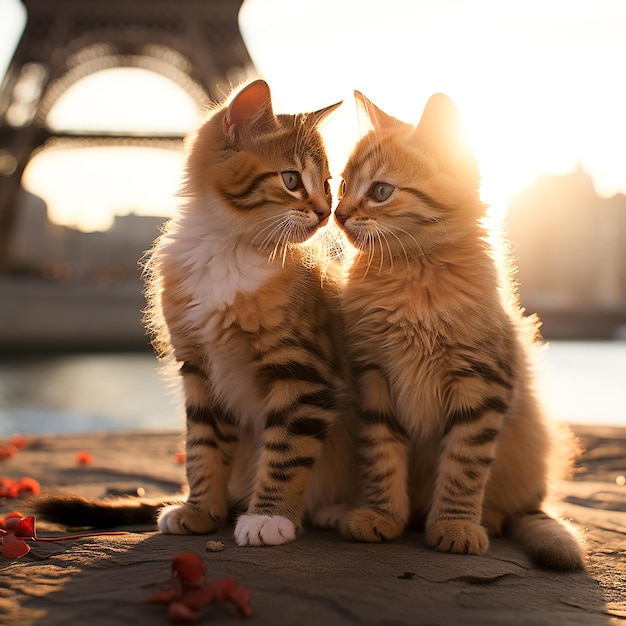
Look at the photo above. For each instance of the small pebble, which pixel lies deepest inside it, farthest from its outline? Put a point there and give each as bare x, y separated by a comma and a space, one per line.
214, 546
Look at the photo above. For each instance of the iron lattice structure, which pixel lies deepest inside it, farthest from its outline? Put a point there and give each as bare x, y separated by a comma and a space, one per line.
195, 43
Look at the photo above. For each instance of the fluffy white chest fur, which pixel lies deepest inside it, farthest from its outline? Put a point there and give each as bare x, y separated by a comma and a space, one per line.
224, 268
217, 263
216, 266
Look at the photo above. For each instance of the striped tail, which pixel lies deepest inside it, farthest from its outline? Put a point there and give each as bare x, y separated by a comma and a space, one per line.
548, 542
76, 511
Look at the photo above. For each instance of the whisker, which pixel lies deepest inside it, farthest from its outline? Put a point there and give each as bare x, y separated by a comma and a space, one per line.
417, 244
276, 221
383, 236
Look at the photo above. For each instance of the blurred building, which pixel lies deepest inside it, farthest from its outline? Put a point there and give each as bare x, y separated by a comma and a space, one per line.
43, 249
64, 289
570, 246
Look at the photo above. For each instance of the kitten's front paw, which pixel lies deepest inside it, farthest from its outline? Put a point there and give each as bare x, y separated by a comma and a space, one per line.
264, 530
330, 516
181, 519
458, 536
368, 525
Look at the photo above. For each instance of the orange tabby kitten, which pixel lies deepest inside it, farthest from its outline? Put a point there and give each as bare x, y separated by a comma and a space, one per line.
252, 318
451, 430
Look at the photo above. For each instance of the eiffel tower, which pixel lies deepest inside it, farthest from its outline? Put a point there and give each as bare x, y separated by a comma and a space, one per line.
195, 43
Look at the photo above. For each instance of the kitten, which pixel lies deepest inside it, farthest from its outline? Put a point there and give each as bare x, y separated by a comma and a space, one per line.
451, 431
253, 321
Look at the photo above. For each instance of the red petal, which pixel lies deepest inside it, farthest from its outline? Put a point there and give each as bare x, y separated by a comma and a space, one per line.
19, 441
222, 589
13, 547
240, 597
84, 458
6, 452
8, 488
29, 485
26, 527
178, 612
196, 597
189, 567
10, 519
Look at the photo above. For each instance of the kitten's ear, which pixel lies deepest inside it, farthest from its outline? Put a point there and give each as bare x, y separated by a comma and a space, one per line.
441, 130
370, 116
318, 116
251, 106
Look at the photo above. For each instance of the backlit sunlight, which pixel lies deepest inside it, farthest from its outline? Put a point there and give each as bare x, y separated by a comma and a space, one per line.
125, 99
85, 187
539, 85
537, 82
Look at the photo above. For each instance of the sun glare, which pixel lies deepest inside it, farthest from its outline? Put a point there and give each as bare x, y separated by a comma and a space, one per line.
539, 86
85, 188
538, 83
125, 99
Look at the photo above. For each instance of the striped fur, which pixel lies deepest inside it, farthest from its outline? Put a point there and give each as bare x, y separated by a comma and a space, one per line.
450, 429
254, 322
247, 309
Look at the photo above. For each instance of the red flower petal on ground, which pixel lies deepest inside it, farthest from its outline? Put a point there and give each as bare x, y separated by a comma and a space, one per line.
6, 452
195, 597
12, 488
13, 547
189, 568
188, 591
10, 520
84, 458
240, 597
222, 589
26, 528
8, 488
29, 485
19, 441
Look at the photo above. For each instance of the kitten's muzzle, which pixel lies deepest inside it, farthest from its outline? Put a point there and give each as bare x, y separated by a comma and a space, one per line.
322, 213
341, 218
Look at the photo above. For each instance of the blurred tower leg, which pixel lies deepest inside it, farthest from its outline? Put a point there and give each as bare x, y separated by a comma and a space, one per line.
195, 43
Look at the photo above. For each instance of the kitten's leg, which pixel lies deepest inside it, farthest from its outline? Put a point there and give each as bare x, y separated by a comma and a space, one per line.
467, 453
302, 404
211, 440
292, 444
384, 510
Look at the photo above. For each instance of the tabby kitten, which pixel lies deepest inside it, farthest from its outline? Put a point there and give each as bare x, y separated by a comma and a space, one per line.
451, 431
252, 319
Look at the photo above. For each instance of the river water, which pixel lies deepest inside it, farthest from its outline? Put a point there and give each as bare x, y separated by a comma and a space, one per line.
580, 382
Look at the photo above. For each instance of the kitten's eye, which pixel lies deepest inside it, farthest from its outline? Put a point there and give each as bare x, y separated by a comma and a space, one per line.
292, 179
381, 191
341, 192
327, 188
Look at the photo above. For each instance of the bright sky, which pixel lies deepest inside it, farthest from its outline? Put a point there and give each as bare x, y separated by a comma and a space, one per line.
540, 85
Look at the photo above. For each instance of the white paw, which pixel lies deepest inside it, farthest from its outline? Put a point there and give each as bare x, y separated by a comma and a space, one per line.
329, 516
264, 530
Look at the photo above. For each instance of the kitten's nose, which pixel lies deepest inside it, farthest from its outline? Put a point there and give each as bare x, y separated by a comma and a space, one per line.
341, 217
322, 212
